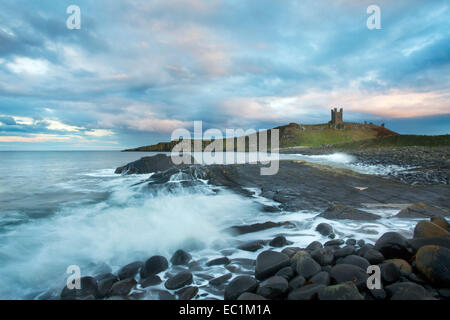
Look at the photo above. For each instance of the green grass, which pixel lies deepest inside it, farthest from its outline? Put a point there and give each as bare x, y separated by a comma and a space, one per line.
399, 141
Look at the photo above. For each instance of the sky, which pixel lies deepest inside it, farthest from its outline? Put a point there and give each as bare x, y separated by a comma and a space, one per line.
136, 70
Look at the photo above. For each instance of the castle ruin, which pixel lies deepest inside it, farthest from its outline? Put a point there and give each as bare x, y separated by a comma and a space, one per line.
337, 118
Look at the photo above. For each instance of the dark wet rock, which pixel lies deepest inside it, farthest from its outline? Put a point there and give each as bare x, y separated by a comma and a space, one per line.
307, 267
340, 212
355, 260
407, 291
364, 248
238, 286
393, 245
421, 210
390, 273
187, 293
260, 226
343, 291
103, 276
416, 244
153, 280
297, 282
321, 278
130, 270
336, 242
88, 286
433, 262
195, 266
250, 296
244, 262
323, 256
308, 292
378, 294
290, 251
273, 287
417, 278
216, 282
350, 242
163, 294
343, 252
361, 242
301, 254
403, 266
154, 265
252, 246
373, 256
105, 285
122, 287
325, 229
218, 261
178, 281
427, 229
441, 222
279, 242
180, 257
286, 272
314, 245
269, 262
327, 268
159, 162
346, 272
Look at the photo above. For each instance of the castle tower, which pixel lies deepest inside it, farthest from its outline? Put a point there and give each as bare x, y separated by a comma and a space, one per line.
337, 119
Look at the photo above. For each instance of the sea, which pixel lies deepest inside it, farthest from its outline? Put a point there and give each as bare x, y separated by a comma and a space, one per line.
65, 208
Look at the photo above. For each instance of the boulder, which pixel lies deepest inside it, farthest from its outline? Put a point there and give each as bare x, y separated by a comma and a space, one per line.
308, 292
325, 229
321, 278
333, 243
260, 226
343, 252
105, 285
187, 293
323, 256
390, 273
273, 287
393, 245
407, 291
180, 257
238, 286
122, 287
313, 246
350, 242
279, 242
434, 263
403, 266
250, 296
286, 272
252, 246
218, 261
373, 256
343, 291
355, 260
216, 282
130, 270
341, 212
307, 267
88, 286
416, 244
421, 210
427, 229
150, 281
346, 272
269, 262
441, 222
159, 162
179, 280
154, 265
296, 282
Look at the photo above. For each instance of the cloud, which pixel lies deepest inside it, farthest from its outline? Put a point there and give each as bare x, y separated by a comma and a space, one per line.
99, 133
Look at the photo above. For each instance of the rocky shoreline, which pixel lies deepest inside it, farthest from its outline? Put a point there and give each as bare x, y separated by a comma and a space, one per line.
414, 268
410, 269
429, 165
